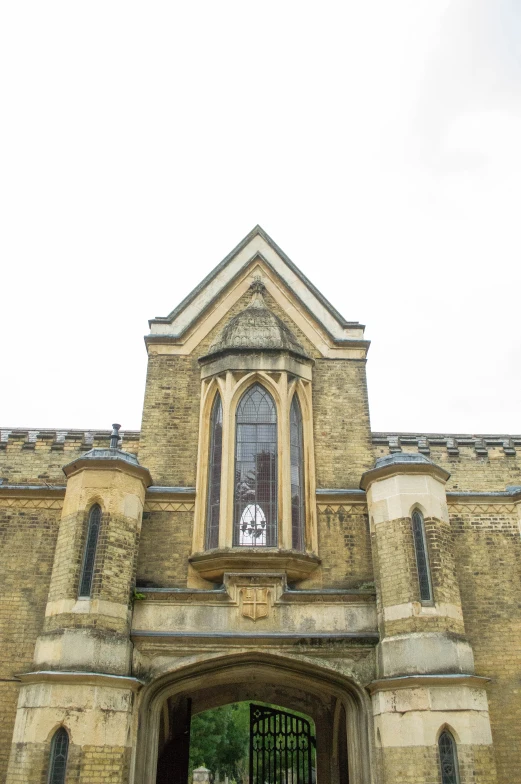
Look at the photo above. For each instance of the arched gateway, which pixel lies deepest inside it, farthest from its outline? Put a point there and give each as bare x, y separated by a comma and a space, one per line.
338, 706
255, 541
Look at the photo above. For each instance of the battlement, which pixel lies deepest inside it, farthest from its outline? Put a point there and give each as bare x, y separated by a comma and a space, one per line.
476, 462
31, 455
31, 438
453, 443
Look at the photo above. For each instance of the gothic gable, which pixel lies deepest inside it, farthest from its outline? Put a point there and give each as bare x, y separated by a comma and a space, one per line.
257, 256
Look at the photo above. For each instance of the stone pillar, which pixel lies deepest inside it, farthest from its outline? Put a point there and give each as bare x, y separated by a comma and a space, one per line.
426, 681
201, 775
81, 676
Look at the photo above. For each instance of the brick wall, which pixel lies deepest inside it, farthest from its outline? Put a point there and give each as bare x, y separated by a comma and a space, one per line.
37, 456
345, 548
166, 543
27, 541
475, 463
488, 558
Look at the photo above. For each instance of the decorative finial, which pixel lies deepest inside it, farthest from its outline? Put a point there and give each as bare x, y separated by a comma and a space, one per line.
258, 288
114, 437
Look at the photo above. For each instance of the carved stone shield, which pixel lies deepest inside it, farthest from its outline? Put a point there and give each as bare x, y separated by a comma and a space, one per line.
255, 602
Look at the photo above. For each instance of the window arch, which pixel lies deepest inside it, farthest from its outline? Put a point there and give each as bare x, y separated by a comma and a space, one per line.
214, 474
422, 556
89, 555
448, 758
58, 757
297, 476
255, 480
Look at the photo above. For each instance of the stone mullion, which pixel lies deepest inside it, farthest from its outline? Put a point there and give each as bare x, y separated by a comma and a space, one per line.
228, 464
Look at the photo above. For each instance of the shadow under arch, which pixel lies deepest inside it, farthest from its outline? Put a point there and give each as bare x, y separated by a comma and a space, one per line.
310, 689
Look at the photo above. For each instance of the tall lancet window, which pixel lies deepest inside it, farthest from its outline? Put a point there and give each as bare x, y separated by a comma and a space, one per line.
214, 474
422, 557
297, 476
58, 760
89, 555
448, 758
255, 498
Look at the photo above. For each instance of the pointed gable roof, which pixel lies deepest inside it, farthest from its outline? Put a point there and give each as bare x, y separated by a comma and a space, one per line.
228, 281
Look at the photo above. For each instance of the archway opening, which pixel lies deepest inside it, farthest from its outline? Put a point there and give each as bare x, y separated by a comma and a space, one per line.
244, 741
334, 707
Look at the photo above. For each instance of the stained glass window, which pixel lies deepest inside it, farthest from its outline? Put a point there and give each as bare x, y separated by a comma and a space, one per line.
448, 758
89, 556
255, 495
214, 474
422, 558
58, 760
297, 476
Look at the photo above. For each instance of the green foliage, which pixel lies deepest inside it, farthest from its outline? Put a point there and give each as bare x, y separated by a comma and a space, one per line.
219, 739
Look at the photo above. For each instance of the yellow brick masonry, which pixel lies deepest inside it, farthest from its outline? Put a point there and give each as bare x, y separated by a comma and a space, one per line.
488, 558
469, 470
37, 457
102, 765
397, 574
27, 539
421, 765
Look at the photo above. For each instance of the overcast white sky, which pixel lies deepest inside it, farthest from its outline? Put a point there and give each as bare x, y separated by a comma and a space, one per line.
378, 143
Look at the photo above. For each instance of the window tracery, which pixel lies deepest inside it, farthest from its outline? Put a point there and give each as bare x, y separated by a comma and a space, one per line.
58, 757
89, 556
422, 557
297, 476
448, 758
214, 474
255, 480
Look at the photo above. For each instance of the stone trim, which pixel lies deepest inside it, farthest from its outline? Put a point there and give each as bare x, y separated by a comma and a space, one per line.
81, 678
169, 506
287, 596
396, 612
413, 681
108, 464
400, 469
369, 638
256, 231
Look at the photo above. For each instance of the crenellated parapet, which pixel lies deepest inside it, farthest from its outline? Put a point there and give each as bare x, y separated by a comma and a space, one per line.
477, 462
36, 456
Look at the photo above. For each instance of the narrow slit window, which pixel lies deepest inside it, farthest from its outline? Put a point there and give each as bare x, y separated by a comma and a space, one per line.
422, 558
89, 556
58, 759
255, 494
297, 476
448, 758
214, 474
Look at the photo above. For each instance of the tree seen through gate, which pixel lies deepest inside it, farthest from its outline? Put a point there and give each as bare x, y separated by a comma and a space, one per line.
251, 743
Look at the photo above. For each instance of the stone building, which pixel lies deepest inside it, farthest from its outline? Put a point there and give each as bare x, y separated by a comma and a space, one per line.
256, 541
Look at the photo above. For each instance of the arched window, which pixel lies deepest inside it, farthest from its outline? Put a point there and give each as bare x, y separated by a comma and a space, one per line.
255, 496
214, 474
297, 476
422, 558
89, 556
448, 758
58, 758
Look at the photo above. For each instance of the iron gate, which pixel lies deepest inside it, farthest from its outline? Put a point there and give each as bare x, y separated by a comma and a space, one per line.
281, 747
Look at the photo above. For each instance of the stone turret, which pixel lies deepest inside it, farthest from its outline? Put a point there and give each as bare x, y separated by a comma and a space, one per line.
92, 631
82, 663
425, 672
